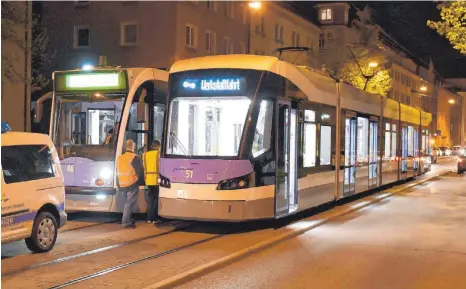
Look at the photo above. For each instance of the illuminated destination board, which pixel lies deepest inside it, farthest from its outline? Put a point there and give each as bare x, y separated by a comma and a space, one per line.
90, 81
225, 85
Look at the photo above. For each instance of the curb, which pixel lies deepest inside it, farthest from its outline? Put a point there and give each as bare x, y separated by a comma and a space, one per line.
183, 277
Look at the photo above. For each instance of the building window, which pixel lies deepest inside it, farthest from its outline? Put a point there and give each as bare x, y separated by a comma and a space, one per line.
210, 41
229, 9
212, 5
294, 38
277, 32
330, 37
228, 45
82, 36
326, 14
190, 38
129, 33
321, 41
261, 27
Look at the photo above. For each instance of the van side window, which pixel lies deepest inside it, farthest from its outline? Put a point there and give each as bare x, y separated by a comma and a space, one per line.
22, 163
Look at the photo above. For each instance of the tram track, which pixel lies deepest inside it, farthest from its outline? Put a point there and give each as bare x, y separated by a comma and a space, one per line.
179, 228
137, 261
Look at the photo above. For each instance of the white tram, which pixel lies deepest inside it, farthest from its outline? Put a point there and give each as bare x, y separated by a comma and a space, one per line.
253, 137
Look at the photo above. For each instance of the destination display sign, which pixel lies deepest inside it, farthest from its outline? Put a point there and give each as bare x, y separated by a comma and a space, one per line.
90, 81
227, 85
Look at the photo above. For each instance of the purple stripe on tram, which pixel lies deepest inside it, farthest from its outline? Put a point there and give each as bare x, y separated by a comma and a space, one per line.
203, 171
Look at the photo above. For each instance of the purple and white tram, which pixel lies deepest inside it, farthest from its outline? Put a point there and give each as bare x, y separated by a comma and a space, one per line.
252, 137
94, 111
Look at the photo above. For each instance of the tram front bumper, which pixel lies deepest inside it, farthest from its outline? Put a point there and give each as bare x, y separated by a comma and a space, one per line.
225, 211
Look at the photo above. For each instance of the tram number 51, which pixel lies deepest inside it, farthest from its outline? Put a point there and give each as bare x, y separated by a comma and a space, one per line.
189, 174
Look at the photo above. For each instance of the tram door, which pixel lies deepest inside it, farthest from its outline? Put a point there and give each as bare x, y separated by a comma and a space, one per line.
286, 147
404, 152
373, 153
349, 185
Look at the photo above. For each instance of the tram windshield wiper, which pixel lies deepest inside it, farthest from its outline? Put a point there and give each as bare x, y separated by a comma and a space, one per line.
178, 143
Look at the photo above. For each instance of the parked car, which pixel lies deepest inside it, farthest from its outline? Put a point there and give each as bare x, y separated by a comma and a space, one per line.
461, 163
456, 150
446, 151
33, 192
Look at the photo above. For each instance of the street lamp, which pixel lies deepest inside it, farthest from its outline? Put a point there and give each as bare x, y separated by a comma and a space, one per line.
254, 5
451, 101
423, 88
373, 64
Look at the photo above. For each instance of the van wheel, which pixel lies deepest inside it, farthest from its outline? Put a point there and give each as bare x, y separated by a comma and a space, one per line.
44, 233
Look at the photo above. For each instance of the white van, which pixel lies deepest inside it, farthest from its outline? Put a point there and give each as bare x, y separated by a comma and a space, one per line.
33, 192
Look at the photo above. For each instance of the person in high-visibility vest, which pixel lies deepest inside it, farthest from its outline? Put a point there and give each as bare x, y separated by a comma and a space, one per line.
151, 161
130, 172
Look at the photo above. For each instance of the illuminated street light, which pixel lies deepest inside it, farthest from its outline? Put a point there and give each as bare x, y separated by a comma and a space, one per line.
255, 5
423, 88
373, 64
451, 101
432, 141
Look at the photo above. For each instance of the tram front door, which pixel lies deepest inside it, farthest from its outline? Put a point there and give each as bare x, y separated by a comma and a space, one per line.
286, 200
349, 184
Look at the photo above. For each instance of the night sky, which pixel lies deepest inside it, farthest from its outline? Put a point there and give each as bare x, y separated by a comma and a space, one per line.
406, 23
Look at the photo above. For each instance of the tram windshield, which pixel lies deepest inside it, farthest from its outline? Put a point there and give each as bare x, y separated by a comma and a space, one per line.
206, 126
87, 129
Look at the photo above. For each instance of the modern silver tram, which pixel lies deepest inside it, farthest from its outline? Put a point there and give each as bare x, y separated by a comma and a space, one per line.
253, 137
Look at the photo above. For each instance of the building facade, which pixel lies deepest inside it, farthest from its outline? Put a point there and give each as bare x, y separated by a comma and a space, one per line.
144, 34
274, 26
412, 83
16, 67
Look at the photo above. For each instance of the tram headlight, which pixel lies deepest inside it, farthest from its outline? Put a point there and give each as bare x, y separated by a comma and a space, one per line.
105, 173
235, 183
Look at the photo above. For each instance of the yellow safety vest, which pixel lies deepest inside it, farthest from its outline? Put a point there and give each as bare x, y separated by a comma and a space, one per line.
126, 174
151, 161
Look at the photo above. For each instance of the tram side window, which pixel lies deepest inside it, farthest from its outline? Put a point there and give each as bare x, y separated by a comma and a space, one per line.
159, 112
393, 141
410, 141
263, 132
24, 163
363, 141
309, 139
387, 142
325, 145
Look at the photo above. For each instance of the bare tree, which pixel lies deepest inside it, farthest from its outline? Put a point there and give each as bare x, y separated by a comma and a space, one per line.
13, 17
